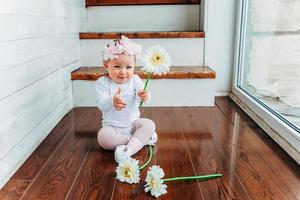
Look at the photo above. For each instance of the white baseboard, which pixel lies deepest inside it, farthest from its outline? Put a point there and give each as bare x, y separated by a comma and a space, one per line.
222, 93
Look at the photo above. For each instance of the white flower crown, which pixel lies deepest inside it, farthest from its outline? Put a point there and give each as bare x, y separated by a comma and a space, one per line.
121, 46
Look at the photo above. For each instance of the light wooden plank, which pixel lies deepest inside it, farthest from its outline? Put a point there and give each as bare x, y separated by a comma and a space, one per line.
22, 51
55, 8
19, 115
22, 76
17, 27
23, 98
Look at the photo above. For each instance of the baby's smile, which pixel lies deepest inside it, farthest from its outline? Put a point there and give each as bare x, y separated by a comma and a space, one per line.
122, 79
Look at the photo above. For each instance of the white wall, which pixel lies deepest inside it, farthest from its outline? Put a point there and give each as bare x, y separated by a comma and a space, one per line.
143, 18
219, 41
39, 47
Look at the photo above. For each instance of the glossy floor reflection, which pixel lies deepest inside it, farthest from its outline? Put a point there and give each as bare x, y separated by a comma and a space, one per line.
198, 140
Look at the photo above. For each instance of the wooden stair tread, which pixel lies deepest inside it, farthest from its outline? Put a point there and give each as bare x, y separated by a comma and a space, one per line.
138, 2
176, 72
145, 35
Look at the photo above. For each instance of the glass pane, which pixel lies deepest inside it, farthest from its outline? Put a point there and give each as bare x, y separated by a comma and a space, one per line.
271, 64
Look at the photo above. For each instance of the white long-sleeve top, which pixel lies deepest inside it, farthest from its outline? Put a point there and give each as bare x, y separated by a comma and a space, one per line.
106, 89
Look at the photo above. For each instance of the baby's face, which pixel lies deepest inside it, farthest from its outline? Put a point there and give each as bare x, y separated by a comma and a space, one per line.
121, 69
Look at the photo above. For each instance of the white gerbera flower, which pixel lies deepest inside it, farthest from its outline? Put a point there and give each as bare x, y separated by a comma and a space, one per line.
128, 171
154, 182
156, 60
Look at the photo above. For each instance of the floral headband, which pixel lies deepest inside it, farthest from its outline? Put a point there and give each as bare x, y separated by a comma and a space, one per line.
121, 46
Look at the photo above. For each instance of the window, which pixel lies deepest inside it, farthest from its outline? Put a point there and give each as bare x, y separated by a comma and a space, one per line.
267, 68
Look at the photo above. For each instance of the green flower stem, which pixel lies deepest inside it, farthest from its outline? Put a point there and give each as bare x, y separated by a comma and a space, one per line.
146, 84
150, 158
205, 177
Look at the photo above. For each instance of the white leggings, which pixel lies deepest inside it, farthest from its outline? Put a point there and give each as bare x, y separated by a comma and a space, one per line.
110, 137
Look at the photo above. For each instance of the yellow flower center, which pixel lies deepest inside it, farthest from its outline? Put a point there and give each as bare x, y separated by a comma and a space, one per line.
153, 184
157, 59
127, 172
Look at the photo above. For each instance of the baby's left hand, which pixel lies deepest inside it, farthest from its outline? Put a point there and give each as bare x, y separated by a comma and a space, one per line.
144, 95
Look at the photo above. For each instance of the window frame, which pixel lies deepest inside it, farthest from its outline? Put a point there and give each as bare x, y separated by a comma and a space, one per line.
288, 137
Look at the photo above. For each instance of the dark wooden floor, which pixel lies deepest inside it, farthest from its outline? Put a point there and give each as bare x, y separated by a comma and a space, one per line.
222, 139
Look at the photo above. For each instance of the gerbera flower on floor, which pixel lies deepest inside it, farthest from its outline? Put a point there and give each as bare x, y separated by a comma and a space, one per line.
128, 171
154, 181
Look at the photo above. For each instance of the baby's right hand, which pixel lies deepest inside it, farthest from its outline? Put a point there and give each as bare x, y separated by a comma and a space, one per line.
117, 101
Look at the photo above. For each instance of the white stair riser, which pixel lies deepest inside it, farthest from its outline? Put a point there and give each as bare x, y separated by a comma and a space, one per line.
143, 18
183, 51
165, 92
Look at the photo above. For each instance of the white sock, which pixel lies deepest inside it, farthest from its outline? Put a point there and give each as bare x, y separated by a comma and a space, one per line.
134, 145
122, 153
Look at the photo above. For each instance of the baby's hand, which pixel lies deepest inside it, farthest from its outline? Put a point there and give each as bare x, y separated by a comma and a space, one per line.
117, 101
144, 95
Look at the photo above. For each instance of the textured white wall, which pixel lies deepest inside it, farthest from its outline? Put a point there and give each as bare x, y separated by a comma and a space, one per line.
39, 47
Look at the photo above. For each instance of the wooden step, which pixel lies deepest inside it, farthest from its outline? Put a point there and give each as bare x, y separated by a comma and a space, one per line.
176, 72
137, 2
143, 35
